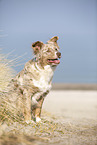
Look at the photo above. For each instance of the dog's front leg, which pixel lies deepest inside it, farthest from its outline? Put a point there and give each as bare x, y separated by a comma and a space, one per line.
37, 111
37, 102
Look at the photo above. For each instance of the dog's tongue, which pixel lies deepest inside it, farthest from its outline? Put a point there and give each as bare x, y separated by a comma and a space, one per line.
54, 61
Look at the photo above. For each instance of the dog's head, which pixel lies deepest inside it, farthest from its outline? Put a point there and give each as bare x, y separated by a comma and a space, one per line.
47, 54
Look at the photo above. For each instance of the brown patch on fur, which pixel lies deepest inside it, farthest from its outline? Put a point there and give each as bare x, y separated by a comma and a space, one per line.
37, 46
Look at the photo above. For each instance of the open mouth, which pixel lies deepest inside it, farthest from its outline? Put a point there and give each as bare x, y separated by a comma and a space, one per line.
55, 61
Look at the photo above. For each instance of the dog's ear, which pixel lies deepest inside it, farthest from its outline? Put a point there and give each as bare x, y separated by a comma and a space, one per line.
37, 46
53, 39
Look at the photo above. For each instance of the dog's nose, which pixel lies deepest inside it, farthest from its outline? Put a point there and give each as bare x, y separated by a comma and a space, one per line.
59, 54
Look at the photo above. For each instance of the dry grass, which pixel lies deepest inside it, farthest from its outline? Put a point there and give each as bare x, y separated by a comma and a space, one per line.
7, 112
6, 72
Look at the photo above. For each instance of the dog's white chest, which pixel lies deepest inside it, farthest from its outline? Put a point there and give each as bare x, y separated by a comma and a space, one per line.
45, 77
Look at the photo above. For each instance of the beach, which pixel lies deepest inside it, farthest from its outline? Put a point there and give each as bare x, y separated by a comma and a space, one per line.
72, 104
77, 110
69, 117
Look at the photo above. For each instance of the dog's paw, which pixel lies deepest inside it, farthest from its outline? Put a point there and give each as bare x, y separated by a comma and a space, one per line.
38, 119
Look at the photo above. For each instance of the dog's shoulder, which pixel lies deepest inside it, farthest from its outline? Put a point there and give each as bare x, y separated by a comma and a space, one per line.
29, 65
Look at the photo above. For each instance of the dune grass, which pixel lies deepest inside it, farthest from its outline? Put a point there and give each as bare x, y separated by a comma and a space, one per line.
6, 72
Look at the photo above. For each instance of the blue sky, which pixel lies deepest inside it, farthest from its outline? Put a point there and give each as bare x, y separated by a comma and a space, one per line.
74, 21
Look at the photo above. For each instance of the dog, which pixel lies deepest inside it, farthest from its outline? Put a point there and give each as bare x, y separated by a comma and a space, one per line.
30, 86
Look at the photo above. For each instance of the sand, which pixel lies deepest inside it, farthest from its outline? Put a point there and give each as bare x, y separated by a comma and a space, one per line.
77, 111
70, 118
74, 105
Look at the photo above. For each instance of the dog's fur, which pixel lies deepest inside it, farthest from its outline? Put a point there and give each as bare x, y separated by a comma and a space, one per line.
29, 88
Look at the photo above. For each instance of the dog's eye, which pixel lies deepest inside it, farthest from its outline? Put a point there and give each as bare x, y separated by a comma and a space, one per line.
56, 49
